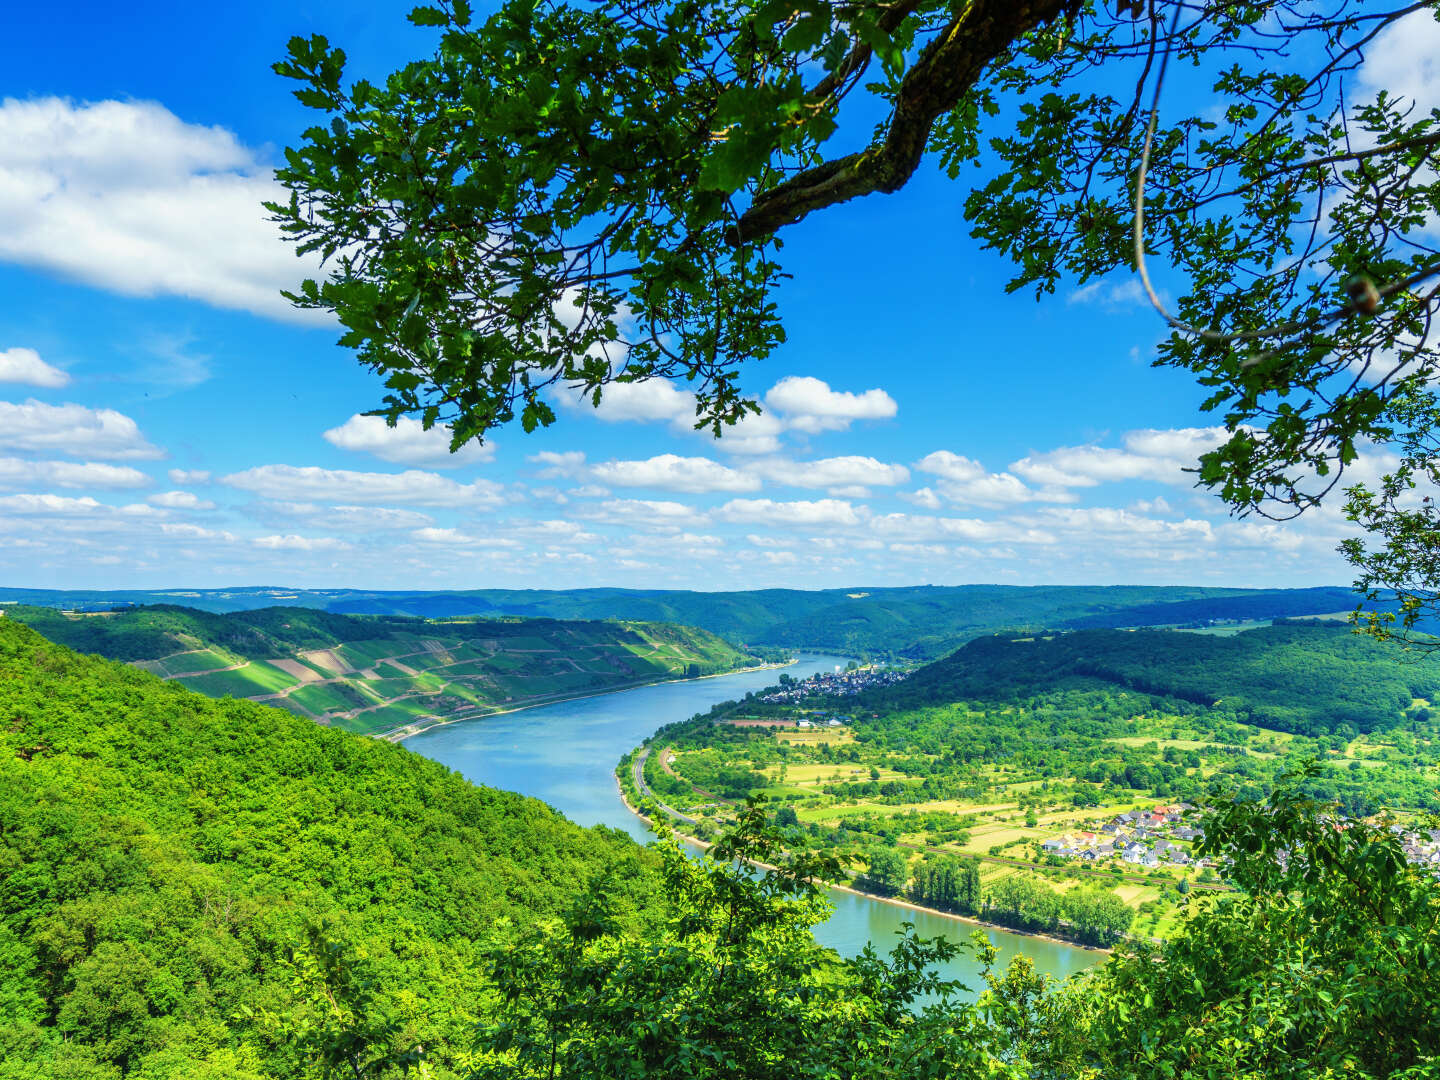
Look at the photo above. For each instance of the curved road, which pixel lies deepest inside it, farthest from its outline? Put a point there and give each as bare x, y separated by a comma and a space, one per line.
638, 765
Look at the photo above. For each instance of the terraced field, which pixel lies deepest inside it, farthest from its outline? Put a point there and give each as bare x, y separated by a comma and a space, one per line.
391, 675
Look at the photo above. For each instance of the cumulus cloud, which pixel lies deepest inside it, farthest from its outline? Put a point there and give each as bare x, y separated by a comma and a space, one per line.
566, 463
1405, 60
25, 366
180, 500
967, 483
72, 429
808, 404
851, 475
646, 402
348, 518
455, 537
309, 483
16, 474
407, 443
753, 434
126, 196
651, 513
181, 477
670, 472
791, 514
300, 543
924, 497
1157, 455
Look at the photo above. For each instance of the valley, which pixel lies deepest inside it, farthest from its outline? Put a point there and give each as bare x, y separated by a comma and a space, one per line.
1061, 769
388, 676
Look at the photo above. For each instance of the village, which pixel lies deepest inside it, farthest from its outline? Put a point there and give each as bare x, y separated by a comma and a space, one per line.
1140, 837
840, 683
1161, 835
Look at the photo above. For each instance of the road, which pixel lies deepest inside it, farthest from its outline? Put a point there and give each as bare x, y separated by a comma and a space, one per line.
645, 791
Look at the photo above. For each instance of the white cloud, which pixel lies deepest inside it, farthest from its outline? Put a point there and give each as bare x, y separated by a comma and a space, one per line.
653, 513
72, 429
189, 476
923, 497
850, 475
180, 500
798, 513
566, 463
808, 404
300, 543
407, 443
670, 472
458, 538
1148, 454
194, 532
967, 483
752, 434
25, 366
346, 518
1405, 60
17, 474
308, 483
128, 197
645, 402
1111, 293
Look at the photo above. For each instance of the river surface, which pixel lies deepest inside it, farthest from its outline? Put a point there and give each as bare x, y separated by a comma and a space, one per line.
565, 755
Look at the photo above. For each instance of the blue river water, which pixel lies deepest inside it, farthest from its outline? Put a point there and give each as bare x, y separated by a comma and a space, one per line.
565, 755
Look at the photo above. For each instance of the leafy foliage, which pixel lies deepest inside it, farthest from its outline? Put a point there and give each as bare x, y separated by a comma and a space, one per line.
172, 863
1322, 966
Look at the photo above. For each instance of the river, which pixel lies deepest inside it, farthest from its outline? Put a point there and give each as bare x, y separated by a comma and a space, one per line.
565, 755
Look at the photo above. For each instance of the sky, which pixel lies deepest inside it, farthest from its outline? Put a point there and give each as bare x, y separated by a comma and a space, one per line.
167, 419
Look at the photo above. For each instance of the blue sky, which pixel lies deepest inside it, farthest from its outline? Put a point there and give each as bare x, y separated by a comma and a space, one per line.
164, 415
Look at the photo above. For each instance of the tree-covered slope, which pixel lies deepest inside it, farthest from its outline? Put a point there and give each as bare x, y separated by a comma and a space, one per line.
1310, 678
378, 674
921, 622
169, 862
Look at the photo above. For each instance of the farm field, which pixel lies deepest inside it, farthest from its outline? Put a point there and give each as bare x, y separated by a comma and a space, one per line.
1076, 792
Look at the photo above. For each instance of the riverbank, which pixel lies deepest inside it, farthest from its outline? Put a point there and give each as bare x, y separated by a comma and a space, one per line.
894, 901
400, 734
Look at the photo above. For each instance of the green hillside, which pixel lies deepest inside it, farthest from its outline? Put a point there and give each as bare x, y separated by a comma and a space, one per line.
1307, 678
921, 622
168, 863
377, 674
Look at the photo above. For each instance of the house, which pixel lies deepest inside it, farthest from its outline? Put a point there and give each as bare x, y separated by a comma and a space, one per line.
803, 724
1056, 843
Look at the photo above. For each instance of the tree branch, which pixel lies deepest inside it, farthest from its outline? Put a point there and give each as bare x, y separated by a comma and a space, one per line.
946, 69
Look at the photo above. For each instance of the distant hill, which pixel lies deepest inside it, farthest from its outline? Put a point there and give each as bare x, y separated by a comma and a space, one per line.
174, 867
1309, 678
375, 674
921, 622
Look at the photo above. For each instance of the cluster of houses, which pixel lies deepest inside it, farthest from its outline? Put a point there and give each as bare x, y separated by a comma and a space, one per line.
1422, 848
835, 684
1148, 838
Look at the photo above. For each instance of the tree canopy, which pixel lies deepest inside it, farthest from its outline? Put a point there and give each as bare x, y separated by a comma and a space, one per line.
567, 195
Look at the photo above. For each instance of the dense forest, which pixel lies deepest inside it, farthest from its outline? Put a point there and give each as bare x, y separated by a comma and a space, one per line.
172, 864
922, 622
1311, 678
215, 890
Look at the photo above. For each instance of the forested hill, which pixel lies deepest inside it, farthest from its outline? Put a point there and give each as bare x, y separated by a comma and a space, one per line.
169, 864
377, 674
922, 622
1309, 678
